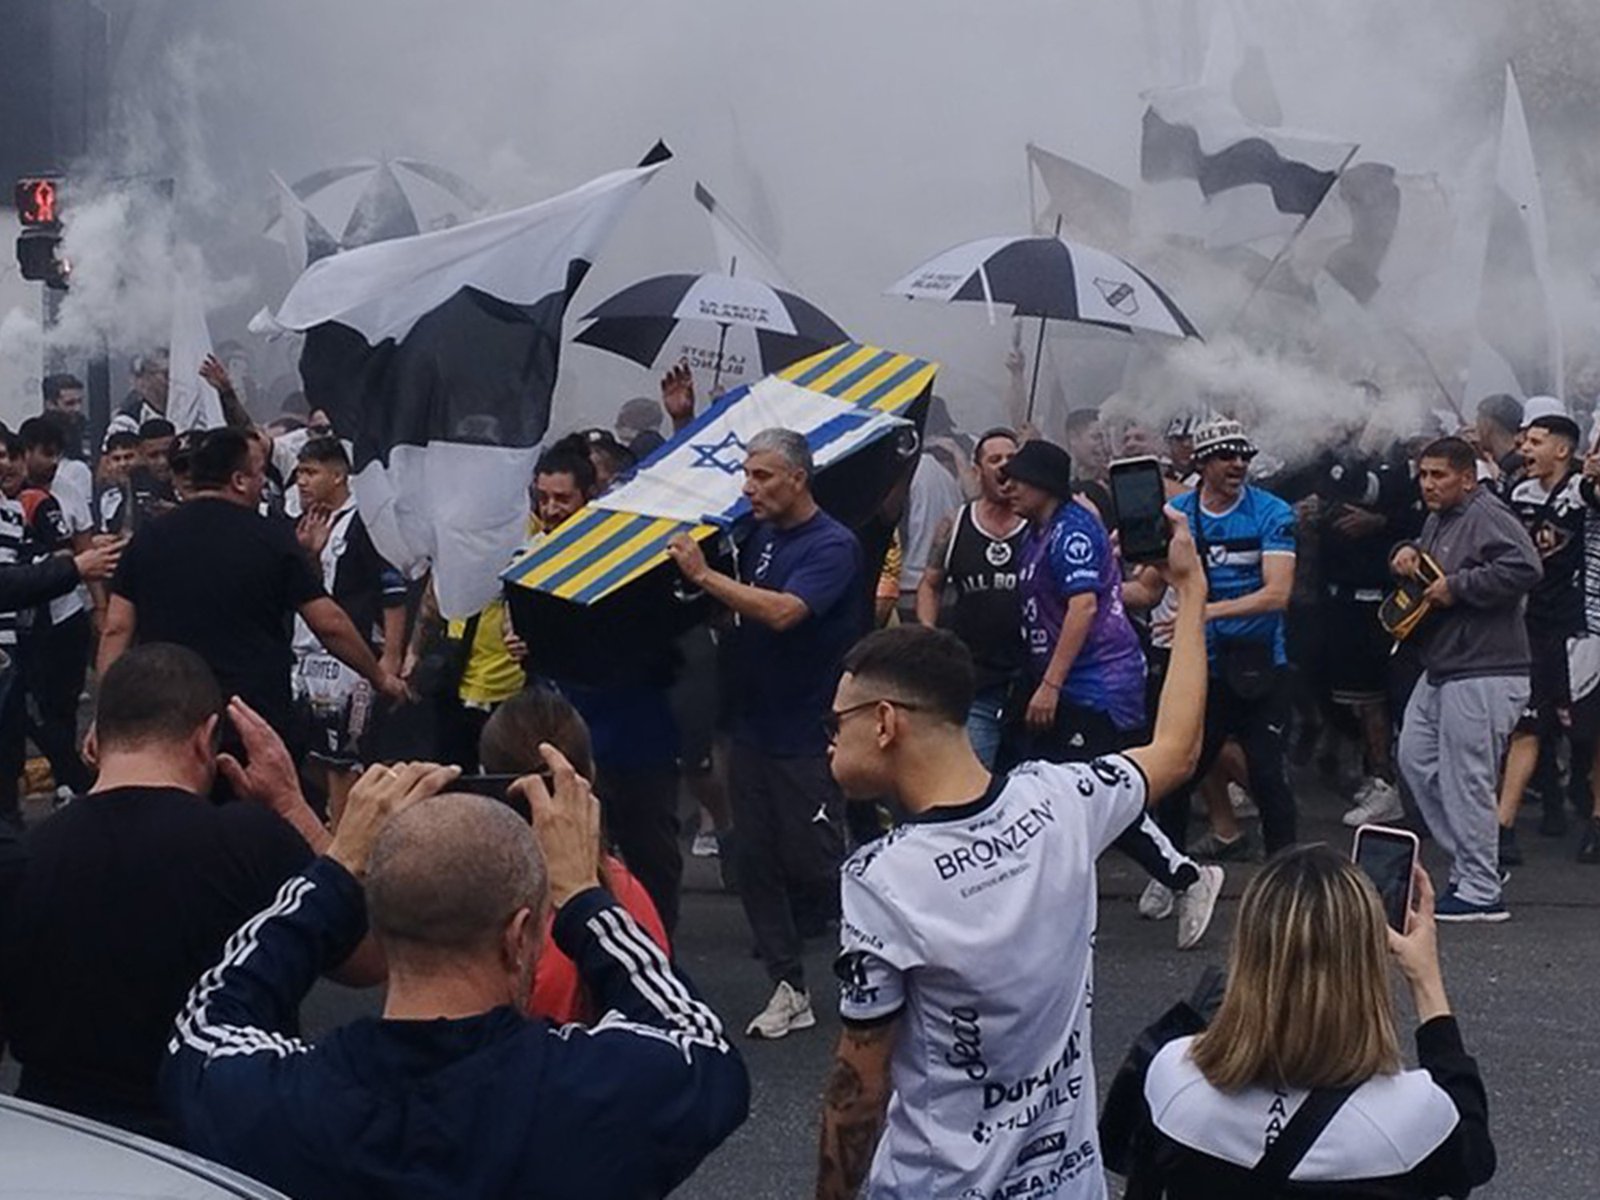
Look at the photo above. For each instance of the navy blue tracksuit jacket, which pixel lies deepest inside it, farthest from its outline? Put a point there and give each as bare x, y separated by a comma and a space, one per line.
487, 1106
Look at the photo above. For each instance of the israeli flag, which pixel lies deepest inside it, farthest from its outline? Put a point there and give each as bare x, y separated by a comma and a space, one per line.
698, 477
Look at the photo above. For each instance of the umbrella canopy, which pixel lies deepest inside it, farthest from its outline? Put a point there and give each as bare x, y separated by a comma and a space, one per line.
597, 599
1052, 279
733, 328
363, 202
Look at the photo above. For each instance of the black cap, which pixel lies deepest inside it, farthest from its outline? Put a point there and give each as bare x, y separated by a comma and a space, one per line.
1044, 465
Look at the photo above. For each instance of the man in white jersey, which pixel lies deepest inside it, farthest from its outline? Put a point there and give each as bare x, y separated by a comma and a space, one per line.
967, 969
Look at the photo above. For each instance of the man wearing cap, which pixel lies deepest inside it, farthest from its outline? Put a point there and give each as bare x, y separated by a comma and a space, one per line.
1085, 666
1246, 540
1551, 506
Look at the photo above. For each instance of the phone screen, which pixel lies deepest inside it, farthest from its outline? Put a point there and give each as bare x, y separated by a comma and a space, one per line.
1140, 497
495, 787
1388, 856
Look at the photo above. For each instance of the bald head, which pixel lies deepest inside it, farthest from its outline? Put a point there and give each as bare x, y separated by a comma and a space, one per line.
448, 873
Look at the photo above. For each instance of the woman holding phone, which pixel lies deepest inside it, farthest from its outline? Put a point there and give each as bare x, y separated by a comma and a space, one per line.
1297, 1087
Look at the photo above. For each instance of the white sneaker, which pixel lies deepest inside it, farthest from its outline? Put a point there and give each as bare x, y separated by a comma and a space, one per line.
704, 846
1243, 807
1364, 792
1156, 902
1196, 904
786, 1011
1382, 804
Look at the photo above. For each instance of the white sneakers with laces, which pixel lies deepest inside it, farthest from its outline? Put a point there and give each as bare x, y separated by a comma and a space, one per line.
1377, 801
1156, 902
1195, 905
788, 1010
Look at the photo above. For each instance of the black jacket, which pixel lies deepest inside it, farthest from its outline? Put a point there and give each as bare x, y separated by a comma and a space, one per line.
1417, 1134
491, 1105
23, 585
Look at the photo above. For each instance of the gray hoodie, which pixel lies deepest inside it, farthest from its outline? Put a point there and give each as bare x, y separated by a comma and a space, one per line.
1491, 566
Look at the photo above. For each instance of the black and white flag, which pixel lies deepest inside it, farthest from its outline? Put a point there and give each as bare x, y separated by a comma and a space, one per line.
437, 356
1211, 174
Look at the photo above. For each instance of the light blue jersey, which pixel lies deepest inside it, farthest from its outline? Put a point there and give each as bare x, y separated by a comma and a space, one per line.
1233, 545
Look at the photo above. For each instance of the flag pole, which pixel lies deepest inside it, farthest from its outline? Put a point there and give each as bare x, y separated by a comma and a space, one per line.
1038, 349
1294, 238
722, 338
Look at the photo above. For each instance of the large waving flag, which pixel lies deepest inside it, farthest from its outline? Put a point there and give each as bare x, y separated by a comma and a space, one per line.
1211, 174
437, 356
1519, 345
191, 403
1079, 202
739, 251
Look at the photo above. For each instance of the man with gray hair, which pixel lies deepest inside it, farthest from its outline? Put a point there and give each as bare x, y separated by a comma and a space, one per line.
454, 1092
801, 602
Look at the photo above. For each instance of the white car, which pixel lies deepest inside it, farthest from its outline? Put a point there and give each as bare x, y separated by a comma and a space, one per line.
49, 1153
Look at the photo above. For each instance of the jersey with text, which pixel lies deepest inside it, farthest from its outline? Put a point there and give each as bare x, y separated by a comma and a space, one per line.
974, 926
1069, 557
984, 569
1556, 520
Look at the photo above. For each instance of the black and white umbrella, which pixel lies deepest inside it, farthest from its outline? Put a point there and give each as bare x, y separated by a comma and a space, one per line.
734, 328
1052, 279
358, 203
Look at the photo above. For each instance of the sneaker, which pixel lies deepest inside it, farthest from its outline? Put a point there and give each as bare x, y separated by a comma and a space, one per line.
1554, 821
1156, 902
704, 845
787, 1011
1453, 909
1382, 804
1510, 852
1243, 807
1589, 849
1364, 792
1196, 904
1218, 849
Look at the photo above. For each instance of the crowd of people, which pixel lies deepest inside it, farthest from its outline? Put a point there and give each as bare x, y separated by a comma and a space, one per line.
296, 766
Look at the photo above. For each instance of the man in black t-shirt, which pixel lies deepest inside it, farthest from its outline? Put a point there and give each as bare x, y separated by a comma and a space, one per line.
122, 899
216, 576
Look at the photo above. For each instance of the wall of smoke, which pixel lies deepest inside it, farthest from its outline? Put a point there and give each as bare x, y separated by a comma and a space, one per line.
857, 139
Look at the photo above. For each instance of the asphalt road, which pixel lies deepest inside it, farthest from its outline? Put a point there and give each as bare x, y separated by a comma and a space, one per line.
1524, 991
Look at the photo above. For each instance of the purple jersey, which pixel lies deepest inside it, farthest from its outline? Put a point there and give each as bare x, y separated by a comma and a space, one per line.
1070, 556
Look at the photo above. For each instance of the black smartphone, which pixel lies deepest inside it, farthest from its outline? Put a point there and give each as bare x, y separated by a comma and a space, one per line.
1139, 496
1389, 856
495, 787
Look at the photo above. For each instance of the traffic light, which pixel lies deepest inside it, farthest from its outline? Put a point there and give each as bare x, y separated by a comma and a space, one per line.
38, 201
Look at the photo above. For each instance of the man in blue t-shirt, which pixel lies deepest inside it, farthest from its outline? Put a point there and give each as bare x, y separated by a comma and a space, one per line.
1246, 540
801, 603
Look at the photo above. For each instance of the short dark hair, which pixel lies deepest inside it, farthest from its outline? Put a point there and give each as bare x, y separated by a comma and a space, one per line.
1080, 419
326, 450
121, 439
54, 385
41, 433
13, 445
564, 460
158, 692
999, 431
931, 668
1564, 428
1458, 452
509, 743
1505, 411
157, 427
217, 457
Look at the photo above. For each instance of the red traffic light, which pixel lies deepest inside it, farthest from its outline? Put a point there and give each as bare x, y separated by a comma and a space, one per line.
38, 203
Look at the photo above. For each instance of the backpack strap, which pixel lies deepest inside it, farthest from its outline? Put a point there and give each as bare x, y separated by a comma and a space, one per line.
1300, 1134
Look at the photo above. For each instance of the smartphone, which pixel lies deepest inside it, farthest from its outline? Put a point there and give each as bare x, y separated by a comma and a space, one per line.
1389, 856
495, 787
1139, 496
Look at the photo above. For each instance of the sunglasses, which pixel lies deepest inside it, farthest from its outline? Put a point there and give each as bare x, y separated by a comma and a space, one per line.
832, 721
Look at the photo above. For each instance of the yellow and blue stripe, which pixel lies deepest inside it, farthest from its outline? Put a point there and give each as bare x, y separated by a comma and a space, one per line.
598, 551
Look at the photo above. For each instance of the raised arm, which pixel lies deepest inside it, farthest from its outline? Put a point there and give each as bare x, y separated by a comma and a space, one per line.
1170, 758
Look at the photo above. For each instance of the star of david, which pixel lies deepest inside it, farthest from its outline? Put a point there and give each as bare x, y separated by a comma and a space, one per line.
707, 454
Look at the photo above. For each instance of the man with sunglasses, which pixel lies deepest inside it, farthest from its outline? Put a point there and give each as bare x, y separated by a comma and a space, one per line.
1245, 537
967, 935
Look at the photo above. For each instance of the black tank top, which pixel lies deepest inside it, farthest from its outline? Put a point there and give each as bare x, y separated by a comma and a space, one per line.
987, 615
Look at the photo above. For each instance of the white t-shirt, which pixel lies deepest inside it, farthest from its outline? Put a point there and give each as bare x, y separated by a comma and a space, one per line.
975, 925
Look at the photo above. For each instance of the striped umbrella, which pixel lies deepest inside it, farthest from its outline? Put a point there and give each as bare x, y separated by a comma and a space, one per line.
1052, 279
735, 328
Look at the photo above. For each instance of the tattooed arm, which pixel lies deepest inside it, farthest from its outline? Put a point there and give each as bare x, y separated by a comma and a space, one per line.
852, 1108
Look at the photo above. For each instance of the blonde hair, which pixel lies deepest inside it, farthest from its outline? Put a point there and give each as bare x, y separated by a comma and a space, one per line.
1308, 1001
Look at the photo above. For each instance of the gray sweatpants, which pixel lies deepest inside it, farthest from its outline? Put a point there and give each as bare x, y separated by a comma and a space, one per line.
1452, 746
